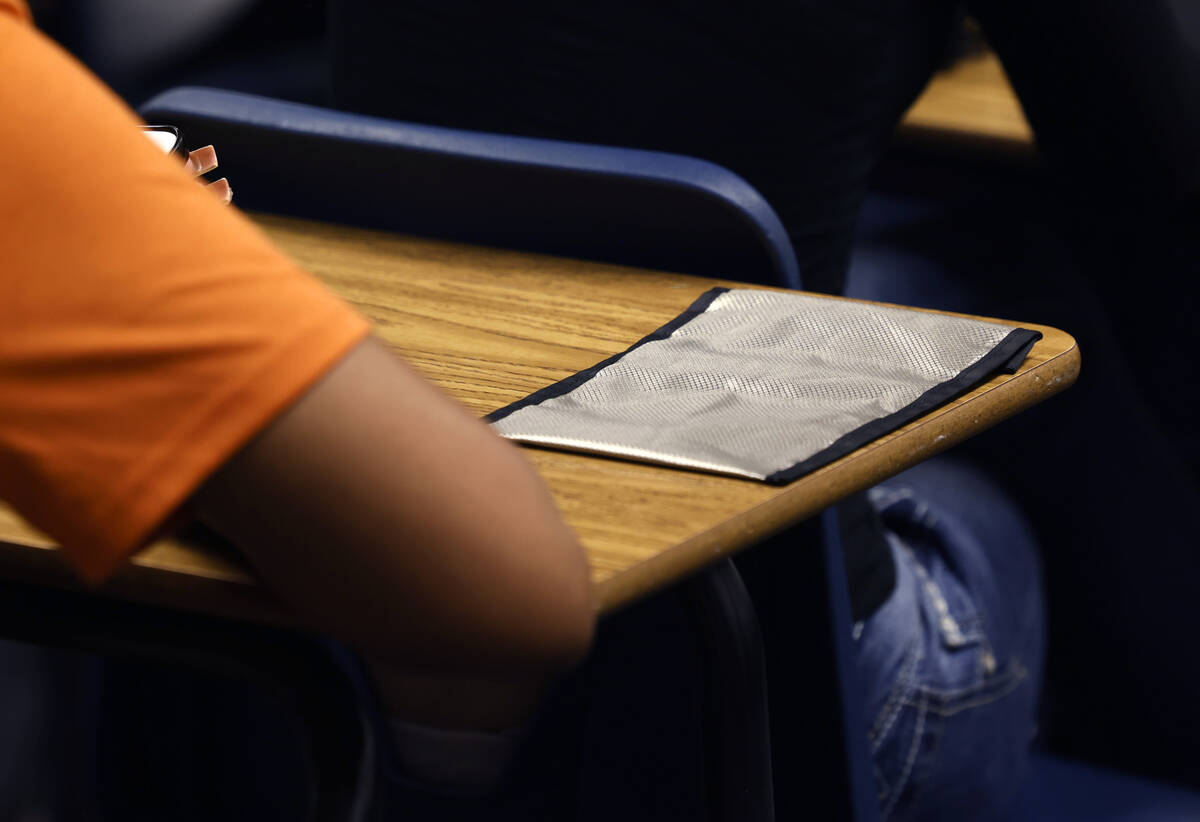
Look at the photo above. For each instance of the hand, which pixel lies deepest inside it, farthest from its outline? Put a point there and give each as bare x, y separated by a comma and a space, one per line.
204, 160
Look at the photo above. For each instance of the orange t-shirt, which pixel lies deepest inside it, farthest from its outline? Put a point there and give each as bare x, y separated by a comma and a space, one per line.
147, 332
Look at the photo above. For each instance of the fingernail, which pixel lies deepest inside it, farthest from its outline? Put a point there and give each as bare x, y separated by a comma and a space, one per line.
222, 189
202, 160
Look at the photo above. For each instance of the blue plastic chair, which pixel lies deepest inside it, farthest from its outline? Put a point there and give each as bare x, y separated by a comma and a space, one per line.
617, 205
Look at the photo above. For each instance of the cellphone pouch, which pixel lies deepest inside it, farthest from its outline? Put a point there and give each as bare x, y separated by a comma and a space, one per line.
765, 384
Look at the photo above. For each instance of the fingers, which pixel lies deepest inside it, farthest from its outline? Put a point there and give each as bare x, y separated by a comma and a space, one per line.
202, 160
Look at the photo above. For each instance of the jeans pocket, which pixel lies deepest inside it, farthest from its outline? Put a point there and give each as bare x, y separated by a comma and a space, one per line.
966, 657
958, 738
949, 673
945, 749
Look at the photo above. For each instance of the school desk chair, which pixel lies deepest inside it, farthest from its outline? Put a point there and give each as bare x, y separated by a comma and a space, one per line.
636, 208
617, 205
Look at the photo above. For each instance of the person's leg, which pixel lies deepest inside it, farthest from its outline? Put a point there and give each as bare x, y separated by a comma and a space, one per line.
952, 662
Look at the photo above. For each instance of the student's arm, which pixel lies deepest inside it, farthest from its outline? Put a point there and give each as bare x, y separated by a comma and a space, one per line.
397, 521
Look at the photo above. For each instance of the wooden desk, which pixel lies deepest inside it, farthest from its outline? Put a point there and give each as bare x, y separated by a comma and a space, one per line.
491, 326
970, 103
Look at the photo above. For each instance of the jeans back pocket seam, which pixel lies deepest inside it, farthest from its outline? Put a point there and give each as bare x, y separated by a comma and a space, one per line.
910, 759
905, 685
950, 702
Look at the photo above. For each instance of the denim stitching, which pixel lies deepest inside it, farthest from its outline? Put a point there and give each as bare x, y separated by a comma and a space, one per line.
899, 687
970, 627
1016, 669
881, 788
913, 749
950, 627
999, 688
905, 685
918, 780
926, 706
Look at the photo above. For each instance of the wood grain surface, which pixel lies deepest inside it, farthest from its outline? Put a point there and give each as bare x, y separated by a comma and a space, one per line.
971, 102
491, 326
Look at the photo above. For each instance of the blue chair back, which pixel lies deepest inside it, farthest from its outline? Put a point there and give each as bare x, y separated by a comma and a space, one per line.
626, 206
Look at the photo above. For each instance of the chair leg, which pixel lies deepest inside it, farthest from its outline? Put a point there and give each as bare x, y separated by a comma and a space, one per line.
858, 757
736, 715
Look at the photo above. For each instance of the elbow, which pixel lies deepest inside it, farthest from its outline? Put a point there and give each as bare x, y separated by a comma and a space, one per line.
531, 614
542, 610
562, 633
574, 629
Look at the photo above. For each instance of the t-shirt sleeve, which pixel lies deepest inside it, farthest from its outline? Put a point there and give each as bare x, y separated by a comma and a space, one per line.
147, 332
16, 8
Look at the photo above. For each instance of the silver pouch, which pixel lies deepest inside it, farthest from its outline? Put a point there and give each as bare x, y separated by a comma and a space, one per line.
765, 384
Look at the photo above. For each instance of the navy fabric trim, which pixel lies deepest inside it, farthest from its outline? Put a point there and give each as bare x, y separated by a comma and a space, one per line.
1018, 357
575, 380
1000, 358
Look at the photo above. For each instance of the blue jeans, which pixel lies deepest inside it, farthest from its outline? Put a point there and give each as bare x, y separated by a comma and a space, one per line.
952, 662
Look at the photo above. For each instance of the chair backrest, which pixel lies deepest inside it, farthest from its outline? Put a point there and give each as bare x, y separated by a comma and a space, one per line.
618, 205
626, 206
